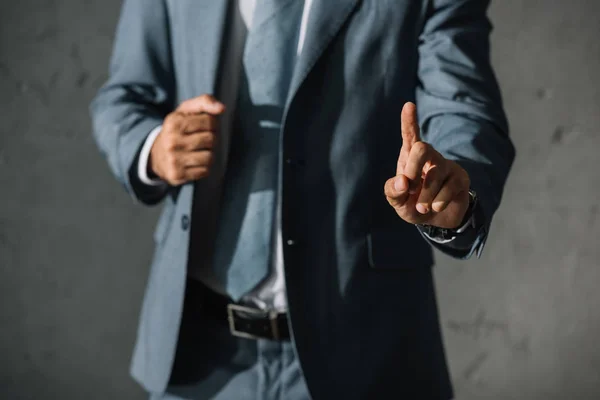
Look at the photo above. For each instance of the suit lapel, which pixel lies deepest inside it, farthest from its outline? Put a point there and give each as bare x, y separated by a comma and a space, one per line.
214, 43
325, 19
205, 22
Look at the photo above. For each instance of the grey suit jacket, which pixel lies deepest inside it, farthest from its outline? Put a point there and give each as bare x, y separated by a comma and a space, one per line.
359, 280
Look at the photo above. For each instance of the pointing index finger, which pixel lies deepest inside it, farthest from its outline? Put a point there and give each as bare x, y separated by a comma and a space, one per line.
410, 125
410, 133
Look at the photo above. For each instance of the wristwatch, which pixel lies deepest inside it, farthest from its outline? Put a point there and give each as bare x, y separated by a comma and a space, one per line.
443, 235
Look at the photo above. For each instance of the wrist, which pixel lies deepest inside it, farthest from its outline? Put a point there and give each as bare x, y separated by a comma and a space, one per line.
445, 234
469, 214
146, 171
150, 169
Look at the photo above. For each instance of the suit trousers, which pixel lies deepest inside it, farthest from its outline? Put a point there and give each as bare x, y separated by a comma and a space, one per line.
211, 363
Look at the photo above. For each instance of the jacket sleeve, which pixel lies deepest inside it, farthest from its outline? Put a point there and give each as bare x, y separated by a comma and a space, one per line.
459, 102
138, 95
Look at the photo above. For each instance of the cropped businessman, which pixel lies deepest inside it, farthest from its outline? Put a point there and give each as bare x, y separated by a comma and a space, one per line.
308, 155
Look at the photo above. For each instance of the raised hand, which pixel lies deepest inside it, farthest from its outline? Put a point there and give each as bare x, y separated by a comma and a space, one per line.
183, 150
427, 188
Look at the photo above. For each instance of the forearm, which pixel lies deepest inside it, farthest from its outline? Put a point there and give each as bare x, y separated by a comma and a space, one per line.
487, 155
467, 239
137, 96
481, 149
460, 106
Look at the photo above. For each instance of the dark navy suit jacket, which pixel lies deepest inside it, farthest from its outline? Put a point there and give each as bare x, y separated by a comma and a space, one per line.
359, 279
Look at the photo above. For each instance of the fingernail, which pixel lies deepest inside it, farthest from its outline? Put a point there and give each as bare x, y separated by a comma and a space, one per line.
438, 205
422, 208
400, 185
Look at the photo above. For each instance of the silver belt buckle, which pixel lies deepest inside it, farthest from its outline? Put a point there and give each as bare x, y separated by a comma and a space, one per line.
252, 312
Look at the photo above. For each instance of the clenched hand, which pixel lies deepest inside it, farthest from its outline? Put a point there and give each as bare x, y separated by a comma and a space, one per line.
427, 188
183, 150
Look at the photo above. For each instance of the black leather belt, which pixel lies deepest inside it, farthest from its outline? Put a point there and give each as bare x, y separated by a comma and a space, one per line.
244, 321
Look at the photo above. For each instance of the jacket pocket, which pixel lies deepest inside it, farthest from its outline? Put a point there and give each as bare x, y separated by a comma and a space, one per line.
404, 249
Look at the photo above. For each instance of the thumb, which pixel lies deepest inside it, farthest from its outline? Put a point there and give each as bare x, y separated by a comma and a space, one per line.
410, 126
396, 190
202, 104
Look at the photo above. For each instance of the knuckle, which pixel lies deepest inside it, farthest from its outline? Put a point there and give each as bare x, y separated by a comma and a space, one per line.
392, 200
200, 173
433, 175
205, 99
465, 178
172, 161
209, 141
402, 164
211, 123
459, 181
172, 175
170, 144
170, 120
426, 194
421, 148
191, 144
388, 188
173, 122
460, 172
457, 185
208, 122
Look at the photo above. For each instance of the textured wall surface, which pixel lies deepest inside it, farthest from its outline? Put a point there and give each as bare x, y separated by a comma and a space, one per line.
522, 322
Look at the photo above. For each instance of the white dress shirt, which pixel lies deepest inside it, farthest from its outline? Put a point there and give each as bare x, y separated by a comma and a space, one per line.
270, 294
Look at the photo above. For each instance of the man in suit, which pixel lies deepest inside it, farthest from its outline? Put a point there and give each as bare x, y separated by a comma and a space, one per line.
303, 189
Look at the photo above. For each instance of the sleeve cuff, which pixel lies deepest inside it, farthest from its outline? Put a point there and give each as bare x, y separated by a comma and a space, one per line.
472, 238
453, 249
144, 157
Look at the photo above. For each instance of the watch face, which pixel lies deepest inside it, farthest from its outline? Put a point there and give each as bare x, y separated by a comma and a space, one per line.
440, 235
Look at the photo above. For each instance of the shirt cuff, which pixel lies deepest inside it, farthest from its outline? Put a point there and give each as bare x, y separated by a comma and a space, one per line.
144, 157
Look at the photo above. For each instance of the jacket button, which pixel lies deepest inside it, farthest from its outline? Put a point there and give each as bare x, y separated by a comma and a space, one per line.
185, 222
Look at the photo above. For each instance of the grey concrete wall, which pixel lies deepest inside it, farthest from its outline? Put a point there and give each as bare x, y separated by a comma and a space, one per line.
523, 322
